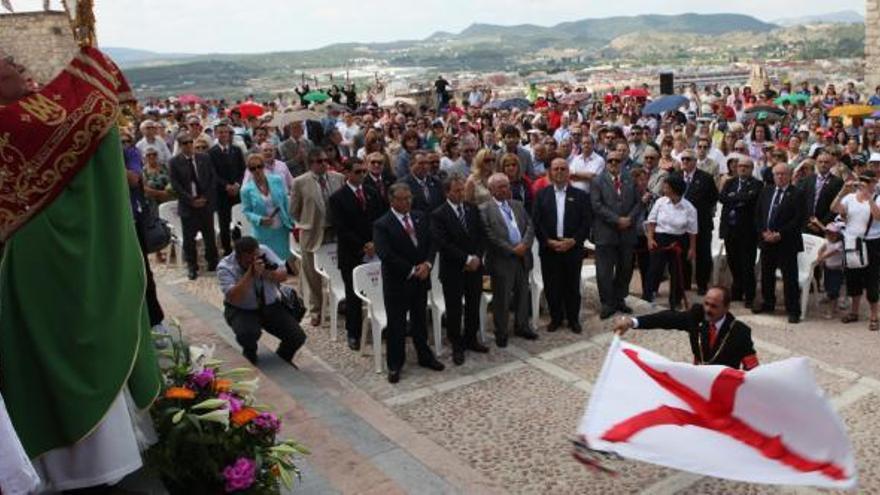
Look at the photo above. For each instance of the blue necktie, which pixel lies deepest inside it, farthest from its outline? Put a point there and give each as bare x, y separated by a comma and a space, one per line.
512, 228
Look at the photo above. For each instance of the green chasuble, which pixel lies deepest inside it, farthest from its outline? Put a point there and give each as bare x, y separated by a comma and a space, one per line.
74, 329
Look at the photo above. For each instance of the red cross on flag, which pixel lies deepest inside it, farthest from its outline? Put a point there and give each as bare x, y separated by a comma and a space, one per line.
769, 425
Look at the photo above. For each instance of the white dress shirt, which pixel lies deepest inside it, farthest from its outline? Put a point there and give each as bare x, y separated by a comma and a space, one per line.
593, 164
560, 212
671, 218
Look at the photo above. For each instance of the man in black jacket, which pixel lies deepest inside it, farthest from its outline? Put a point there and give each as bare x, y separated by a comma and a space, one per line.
700, 191
562, 223
716, 336
192, 178
403, 242
820, 189
228, 161
378, 178
354, 208
426, 190
739, 197
458, 233
779, 220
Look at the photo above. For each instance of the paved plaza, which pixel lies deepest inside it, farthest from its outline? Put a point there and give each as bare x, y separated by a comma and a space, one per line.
501, 422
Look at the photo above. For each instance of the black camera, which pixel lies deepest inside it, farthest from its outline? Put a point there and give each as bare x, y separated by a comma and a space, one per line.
268, 264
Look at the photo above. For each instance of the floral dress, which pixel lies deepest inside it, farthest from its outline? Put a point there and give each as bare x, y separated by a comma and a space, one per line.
156, 179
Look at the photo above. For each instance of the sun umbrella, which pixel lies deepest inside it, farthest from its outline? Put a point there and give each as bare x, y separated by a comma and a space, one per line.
769, 109
636, 93
792, 99
664, 104
494, 105
190, 99
316, 97
851, 111
520, 103
250, 109
395, 100
284, 119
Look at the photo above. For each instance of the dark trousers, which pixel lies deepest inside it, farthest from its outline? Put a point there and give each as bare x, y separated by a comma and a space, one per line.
703, 262
562, 284
643, 262
153, 307
676, 259
409, 299
614, 266
510, 290
785, 260
353, 307
463, 293
275, 319
741, 248
199, 220
224, 216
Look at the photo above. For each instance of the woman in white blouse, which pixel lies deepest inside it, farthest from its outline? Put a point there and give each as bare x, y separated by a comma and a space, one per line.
671, 229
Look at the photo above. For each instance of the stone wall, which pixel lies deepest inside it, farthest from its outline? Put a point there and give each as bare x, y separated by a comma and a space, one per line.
41, 41
872, 44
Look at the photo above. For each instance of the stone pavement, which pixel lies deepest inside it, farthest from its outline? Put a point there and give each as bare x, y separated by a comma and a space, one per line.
500, 423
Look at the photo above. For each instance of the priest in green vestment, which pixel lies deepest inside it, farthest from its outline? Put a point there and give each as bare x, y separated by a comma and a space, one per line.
77, 366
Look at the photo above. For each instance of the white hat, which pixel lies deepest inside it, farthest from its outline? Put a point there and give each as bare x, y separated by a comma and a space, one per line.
875, 157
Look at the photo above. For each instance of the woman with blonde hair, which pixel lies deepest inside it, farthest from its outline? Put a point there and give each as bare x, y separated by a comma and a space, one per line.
476, 188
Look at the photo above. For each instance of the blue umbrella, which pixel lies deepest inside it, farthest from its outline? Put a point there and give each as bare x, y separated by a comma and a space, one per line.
520, 103
494, 105
664, 104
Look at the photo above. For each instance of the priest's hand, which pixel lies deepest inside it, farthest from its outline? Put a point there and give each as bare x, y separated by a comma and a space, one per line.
622, 324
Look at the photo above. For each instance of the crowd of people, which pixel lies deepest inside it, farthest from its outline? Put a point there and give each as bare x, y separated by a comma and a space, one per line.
474, 185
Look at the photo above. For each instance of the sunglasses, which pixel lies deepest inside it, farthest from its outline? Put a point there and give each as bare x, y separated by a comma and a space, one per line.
377, 162
323, 160
360, 171
613, 160
256, 167
687, 159
188, 141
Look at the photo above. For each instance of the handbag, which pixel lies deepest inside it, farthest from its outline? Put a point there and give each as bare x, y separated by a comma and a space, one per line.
157, 234
292, 302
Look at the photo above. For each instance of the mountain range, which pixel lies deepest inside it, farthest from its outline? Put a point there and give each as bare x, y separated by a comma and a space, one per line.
843, 17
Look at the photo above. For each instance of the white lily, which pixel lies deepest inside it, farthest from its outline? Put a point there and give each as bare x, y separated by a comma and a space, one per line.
235, 373
246, 387
211, 404
217, 416
199, 355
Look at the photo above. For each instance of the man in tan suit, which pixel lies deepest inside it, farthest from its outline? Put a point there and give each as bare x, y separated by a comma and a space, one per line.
309, 207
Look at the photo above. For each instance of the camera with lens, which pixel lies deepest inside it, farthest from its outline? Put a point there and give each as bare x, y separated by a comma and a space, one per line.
268, 264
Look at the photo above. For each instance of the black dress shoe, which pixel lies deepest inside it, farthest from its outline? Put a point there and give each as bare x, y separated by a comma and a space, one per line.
433, 364
553, 326
251, 356
577, 328
393, 376
192, 273
458, 357
623, 308
762, 309
606, 313
794, 318
354, 343
501, 341
527, 334
477, 347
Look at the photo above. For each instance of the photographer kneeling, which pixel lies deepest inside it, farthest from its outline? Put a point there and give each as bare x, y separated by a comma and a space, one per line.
250, 279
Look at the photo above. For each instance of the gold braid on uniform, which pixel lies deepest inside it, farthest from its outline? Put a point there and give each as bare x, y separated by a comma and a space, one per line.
82, 22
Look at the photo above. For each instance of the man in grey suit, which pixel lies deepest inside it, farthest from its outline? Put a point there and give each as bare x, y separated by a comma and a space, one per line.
616, 206
509, 235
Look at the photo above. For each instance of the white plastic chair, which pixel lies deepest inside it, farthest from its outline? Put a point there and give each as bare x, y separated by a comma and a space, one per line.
718, 254
437, 304
326, 264
296, 252
806, 268
241, 221
367, 282
168, 212
536, 283
485, 301
588, 273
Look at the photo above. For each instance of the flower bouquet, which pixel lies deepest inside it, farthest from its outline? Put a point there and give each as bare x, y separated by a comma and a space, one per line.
213, 436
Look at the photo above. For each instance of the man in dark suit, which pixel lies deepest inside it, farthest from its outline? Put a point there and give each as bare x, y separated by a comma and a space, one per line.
562, 223
700, 191
779, 220
820, 189
426, 190
402, 239
378, 178
716, 336
739, 197
192, 178
458, 233
616, 205
229, 166
354, 208
509, 237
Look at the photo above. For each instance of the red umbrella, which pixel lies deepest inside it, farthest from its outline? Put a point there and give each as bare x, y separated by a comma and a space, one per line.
250, 109
190, 99
636, 93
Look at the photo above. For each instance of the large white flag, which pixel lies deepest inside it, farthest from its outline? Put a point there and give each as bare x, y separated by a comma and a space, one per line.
769, 425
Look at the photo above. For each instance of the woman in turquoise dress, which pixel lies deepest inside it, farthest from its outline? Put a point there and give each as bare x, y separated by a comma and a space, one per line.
264, 204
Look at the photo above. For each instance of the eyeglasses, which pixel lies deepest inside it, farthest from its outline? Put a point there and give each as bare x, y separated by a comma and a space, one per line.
188, 141
651, 157
256, 167
377, 162
613, 160
687, 159
702, 147
488, 160
359, 171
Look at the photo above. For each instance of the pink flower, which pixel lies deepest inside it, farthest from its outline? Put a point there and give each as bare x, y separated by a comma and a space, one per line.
203, 378
267, 422
235, 404
240, 475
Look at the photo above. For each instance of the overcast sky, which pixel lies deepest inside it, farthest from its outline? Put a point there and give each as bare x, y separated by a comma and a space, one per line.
203, 26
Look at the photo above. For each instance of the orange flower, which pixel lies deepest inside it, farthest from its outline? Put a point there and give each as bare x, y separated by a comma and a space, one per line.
244, 416
182, 393
222, 385
276, 471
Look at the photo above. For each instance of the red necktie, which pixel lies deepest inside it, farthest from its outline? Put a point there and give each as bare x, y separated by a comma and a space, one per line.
617, 184
713, 335
407, 226
362, 201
